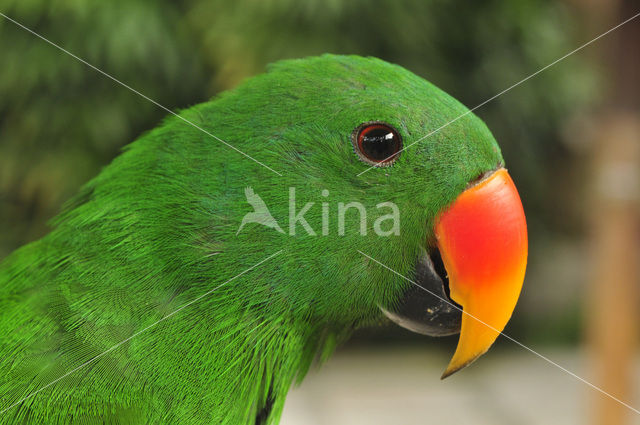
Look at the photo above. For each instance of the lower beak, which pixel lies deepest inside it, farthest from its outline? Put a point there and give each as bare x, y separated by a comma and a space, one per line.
482, 238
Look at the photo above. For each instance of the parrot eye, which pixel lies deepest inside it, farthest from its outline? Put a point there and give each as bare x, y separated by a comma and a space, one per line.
376, 143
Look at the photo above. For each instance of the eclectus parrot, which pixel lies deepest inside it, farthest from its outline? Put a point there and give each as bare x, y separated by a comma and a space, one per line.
189, 284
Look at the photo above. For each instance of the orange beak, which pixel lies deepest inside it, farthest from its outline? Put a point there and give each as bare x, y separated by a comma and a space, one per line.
482, 238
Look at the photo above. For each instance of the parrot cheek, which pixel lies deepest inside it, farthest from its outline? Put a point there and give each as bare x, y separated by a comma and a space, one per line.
482, 237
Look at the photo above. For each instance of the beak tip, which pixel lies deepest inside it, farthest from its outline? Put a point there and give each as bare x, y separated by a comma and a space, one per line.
450, 371
447, 373
453, 368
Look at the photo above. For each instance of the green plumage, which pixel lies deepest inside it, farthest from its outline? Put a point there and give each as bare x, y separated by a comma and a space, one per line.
157, 228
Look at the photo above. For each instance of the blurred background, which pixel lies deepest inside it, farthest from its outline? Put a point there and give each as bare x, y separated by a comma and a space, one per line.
570, 137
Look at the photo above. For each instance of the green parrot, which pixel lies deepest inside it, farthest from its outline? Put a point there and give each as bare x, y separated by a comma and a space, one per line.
194, 283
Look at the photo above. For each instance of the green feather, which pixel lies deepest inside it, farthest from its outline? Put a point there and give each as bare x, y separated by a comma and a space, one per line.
157, 228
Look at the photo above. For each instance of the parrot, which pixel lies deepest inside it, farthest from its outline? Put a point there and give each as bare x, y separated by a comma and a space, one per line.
197, 279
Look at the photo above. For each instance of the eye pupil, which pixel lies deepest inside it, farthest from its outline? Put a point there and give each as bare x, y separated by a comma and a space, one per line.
377, 143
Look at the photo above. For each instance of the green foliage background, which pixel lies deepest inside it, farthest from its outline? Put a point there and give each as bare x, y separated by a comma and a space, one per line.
60, 121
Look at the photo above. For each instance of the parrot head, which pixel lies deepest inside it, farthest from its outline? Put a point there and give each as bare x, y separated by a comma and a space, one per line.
346, 192
375, 219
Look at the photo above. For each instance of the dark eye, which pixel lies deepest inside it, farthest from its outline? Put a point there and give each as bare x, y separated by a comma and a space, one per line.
376, 143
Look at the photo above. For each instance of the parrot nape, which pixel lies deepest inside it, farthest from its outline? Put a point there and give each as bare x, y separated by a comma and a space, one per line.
163, 224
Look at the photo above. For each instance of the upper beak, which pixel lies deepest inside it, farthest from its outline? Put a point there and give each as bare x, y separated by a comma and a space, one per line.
482, 238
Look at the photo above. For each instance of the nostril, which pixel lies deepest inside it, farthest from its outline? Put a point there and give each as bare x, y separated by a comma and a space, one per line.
484, 176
